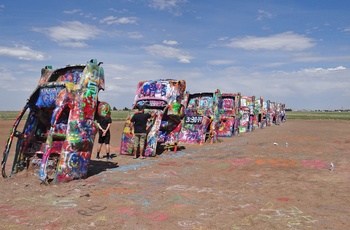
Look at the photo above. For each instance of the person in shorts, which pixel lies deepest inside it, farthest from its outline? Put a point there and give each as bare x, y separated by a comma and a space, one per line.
138, 125
104, 124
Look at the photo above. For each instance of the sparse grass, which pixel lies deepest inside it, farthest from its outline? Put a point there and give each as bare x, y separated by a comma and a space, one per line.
318, 115
10, 115
119, 115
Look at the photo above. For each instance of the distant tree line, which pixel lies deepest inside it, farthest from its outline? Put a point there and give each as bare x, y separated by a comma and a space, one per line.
125, 108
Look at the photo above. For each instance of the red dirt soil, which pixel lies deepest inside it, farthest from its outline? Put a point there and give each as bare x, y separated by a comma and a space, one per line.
250, 181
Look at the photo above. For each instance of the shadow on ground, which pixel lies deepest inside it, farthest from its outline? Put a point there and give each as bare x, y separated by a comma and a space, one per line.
98, 166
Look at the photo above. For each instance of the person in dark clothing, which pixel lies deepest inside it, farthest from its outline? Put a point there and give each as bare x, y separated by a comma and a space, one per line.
139, 127
104, 124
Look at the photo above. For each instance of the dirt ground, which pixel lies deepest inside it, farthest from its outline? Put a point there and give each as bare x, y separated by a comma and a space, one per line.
250, 181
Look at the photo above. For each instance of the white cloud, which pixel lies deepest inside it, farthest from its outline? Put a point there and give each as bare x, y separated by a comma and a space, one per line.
223, 38
184, 60
74, 44
337, 68
284, 41
309, 57
322, 70
165, 4
6, 77
74, 11
262, 14
114, 20
169, 42
116, 68
70, 33
21, 52
19, 82
172, 6
118, 10
221, 62
168, 52
135, 35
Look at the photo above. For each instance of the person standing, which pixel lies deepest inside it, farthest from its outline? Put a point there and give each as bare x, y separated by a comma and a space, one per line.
283, 115
104, 123
138, 125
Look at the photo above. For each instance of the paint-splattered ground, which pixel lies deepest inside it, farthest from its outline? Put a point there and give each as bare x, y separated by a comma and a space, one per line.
251, 181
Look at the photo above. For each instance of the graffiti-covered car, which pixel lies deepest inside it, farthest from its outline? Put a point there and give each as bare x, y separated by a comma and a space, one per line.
259, 114
60, 128
271, 113
246, 113
162, 98
201, 119
228, 115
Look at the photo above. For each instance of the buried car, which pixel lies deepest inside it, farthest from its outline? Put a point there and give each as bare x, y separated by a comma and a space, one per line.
201, 120
162, 98
58, 135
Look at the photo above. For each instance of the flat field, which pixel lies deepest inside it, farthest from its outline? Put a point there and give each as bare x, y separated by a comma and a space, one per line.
250, 181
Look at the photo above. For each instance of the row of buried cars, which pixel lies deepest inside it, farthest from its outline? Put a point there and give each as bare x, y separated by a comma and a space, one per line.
60, 127
195, 118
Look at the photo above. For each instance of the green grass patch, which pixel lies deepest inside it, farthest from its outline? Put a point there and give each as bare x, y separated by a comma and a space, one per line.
119, 115
11, 115
318, 115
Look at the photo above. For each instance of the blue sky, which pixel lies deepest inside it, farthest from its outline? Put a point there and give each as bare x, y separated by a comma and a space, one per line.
293, 51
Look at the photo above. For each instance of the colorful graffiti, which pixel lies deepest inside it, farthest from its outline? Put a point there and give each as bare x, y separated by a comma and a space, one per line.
163, 98
246, 114
59, 133
206, 116
259, 114
202, 116
60, 129
228, 115
271, 113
